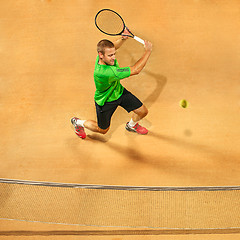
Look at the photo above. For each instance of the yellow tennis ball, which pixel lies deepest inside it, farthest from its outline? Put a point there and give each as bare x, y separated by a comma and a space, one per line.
183, 103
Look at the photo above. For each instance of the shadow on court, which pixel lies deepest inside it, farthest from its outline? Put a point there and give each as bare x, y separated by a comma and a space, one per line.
133, 154
160, 84
163, 162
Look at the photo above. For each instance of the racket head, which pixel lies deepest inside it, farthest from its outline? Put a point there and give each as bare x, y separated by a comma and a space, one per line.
109, 22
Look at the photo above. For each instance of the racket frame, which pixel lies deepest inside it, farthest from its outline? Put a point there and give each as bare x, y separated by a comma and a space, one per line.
115, 34
124, 27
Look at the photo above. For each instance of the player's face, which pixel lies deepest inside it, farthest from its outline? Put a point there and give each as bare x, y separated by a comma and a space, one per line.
109, 57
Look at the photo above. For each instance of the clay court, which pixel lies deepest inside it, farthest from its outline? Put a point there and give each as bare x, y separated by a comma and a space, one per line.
48, 52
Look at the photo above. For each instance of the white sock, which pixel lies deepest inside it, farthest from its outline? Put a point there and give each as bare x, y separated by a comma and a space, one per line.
131, 123
81, 122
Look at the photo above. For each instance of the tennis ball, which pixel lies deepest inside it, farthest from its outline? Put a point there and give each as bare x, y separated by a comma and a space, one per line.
183, 103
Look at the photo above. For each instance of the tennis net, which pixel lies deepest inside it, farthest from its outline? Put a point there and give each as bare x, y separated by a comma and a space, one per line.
121, 206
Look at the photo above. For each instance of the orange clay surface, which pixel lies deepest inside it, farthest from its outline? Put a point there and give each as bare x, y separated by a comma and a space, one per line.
47, 54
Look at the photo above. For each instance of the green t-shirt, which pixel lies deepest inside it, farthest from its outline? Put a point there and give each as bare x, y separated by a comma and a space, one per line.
107, 80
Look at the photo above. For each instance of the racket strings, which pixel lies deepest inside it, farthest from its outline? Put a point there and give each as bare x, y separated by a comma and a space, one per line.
109, 22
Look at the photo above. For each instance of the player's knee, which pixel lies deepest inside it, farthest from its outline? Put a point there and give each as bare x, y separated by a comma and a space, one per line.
144, 111
103, 131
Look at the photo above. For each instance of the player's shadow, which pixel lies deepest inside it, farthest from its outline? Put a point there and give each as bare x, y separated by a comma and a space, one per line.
158, 160
160, 83
120, 117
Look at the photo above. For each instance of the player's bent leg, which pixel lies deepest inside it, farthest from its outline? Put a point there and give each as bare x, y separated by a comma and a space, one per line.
103, 131
133, 125
93, 126
88, 124
139, 113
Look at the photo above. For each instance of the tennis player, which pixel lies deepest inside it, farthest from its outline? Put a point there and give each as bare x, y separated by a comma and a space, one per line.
110, 93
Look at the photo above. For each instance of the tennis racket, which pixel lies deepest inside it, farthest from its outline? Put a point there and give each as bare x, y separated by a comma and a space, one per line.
111, 23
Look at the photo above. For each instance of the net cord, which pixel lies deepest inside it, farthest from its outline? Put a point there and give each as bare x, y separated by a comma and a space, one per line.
125, 227
116, 187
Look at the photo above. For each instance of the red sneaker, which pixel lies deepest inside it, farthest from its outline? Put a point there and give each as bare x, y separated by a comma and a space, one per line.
78, 129
137, 128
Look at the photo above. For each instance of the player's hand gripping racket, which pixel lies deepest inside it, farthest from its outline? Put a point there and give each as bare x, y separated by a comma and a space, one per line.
111, 23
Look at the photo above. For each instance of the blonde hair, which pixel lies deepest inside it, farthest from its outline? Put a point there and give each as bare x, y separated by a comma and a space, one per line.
104, 44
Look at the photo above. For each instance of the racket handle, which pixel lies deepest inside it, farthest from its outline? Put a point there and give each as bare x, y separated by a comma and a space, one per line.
139, 40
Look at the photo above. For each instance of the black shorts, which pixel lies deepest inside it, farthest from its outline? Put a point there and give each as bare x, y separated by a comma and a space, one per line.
127, 101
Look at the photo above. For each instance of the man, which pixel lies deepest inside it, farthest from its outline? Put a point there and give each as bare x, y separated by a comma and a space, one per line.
110, 93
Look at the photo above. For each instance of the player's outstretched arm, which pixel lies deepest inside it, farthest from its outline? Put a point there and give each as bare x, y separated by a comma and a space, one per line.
118, 43
140, 64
